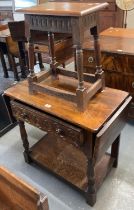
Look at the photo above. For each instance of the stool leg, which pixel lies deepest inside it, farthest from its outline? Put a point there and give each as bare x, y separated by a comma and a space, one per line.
3, 64
81, 90
32, 58
79, 63
52, 53
99, 72
31, 77
115, 151
40, 61
97, 52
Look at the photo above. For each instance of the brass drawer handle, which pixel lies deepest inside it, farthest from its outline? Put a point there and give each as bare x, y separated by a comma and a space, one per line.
90, 59
132, 84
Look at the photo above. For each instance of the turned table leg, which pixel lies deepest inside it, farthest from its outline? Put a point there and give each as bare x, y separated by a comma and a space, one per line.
88, 149
91, 191
24, 138
115, 151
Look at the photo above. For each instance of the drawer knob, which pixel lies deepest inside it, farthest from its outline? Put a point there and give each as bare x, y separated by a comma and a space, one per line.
132, 84
90, 59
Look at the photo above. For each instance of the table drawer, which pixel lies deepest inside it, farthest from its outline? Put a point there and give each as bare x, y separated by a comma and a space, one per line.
110, 61
48, 123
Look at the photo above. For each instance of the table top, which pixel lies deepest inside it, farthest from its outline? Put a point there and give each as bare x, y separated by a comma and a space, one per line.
118, 32
114, 40
99, 110
64, 8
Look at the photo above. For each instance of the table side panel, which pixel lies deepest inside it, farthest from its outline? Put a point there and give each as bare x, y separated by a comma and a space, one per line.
110, 131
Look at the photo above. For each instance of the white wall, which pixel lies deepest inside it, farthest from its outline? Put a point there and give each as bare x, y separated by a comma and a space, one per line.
130, 19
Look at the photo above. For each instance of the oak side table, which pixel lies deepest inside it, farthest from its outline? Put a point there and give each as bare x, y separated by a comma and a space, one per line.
75, 146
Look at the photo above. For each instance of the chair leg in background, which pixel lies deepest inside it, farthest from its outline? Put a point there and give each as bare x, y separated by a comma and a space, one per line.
14, 68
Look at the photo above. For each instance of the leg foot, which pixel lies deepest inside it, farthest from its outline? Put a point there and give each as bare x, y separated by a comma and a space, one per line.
27, 157
91, 199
